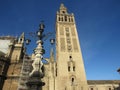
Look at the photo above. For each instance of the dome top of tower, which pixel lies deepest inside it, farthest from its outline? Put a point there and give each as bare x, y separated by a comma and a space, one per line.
63, 9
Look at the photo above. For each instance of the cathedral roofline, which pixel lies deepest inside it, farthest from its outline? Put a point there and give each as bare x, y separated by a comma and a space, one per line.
7, 37
103, 82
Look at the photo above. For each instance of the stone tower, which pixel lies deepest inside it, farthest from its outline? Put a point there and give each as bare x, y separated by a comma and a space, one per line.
70, 72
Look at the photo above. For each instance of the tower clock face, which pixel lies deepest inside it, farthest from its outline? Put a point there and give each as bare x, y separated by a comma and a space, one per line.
4, 45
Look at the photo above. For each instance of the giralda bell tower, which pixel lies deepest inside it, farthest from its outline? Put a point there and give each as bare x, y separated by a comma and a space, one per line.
70, 72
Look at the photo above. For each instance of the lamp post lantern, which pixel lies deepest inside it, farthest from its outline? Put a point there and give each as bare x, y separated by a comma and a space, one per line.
52, 41
34, 82
118, 70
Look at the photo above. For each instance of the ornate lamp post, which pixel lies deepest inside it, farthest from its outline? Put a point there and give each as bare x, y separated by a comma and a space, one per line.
35, 76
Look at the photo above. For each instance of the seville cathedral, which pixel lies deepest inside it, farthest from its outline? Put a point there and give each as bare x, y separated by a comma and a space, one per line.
63, 70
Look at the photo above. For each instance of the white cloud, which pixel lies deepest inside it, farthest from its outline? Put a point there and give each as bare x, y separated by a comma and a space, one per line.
4, 45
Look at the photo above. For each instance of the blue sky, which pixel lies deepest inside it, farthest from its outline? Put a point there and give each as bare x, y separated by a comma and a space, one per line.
98, 25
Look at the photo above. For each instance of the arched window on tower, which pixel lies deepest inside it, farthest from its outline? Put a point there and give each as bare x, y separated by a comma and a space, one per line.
59, 19
71, 19
56, 71
72, 80
73, 68
109, 88
69, 68
65, 18
70, 57
63, 11
91, 88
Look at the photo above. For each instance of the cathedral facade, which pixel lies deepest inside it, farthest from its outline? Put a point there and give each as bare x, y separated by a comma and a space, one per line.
11, 59
63, 71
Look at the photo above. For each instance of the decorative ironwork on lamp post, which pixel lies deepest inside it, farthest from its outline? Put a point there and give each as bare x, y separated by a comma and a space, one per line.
34, 82
118, 70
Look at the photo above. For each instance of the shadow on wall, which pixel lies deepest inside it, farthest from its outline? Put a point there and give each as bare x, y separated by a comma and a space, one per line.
118, 88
